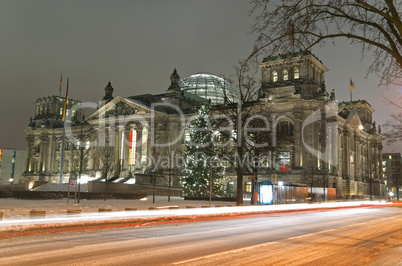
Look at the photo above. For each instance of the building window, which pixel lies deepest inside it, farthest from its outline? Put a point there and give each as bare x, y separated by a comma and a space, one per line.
285, 129
296, 73
248, 186
275, 76
230, 187
284, 161
285, 74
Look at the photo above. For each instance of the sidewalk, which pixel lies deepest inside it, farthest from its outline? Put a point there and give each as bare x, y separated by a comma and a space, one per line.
18, 208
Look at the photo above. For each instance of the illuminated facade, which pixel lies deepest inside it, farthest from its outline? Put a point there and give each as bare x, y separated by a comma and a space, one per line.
320, 142
333, 145
12, 166
392, 170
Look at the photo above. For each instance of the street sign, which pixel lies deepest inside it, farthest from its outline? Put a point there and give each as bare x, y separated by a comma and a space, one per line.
73, 182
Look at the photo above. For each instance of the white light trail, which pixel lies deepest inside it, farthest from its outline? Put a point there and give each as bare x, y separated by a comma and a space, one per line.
166, 212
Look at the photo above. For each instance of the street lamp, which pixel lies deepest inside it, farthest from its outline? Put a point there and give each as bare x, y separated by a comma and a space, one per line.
391, 194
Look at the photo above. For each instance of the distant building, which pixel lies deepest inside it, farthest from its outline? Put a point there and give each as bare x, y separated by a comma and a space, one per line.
392, 169
319, 142
12, 166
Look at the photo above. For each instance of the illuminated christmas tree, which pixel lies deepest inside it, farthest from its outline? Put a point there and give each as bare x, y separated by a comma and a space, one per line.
200, 156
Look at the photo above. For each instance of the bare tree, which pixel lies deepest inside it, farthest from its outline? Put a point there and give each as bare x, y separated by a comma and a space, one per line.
169, 170
108, 163
301, 24
311, 178
237, 114
83, 154
266, 141
393, 128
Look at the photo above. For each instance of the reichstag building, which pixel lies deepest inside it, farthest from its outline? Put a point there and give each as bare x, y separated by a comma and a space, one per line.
318, 141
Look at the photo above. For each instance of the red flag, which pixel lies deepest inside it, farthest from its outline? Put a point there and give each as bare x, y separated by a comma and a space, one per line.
65, 103
352, 85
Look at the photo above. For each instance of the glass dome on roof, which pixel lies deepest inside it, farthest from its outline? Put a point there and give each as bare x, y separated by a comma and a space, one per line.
209, 86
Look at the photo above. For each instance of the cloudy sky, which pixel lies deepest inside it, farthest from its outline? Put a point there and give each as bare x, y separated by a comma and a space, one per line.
136, 45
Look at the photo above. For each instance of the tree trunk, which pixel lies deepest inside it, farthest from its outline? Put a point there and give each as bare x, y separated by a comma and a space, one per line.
170, 180
104, 196
239, 194
153, 190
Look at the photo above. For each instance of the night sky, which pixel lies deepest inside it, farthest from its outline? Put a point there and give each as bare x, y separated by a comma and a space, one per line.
136, 45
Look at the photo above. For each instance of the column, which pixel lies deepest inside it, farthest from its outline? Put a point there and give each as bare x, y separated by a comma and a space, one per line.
357, 158
117, 148
126, 145
138, 148
50, 154
346, 153
375, 156
43, 146
298, 147
150, 152
29, 155
91, 153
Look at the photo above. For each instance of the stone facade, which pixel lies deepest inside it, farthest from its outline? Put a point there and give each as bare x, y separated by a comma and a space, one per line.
320, 142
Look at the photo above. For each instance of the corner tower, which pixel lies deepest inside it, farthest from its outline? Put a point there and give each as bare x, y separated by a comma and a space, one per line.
108, 92
300, 75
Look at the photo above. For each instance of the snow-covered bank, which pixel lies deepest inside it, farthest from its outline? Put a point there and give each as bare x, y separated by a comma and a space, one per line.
16, 212
18, 208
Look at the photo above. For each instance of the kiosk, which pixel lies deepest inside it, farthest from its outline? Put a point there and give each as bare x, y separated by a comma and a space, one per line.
265, 192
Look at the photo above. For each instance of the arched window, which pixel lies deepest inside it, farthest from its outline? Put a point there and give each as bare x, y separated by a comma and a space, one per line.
296, 73
285, 74
275, 76
285, 129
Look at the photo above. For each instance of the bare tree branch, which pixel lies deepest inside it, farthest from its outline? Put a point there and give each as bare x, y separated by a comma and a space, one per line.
375, 25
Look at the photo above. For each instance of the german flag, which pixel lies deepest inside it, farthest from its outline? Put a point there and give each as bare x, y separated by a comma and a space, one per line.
65, 103
352, 85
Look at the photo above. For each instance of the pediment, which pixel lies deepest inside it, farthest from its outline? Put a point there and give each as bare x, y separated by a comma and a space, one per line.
354, 119
120, 106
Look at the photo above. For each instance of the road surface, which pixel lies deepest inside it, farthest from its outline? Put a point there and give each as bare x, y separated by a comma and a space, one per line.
369, 236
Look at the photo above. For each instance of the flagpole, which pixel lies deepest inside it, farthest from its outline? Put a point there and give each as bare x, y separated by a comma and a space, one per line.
352, 87
64, 138
61, 78
62, 156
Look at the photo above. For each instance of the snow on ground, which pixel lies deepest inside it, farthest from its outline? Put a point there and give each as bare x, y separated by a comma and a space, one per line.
19, 208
